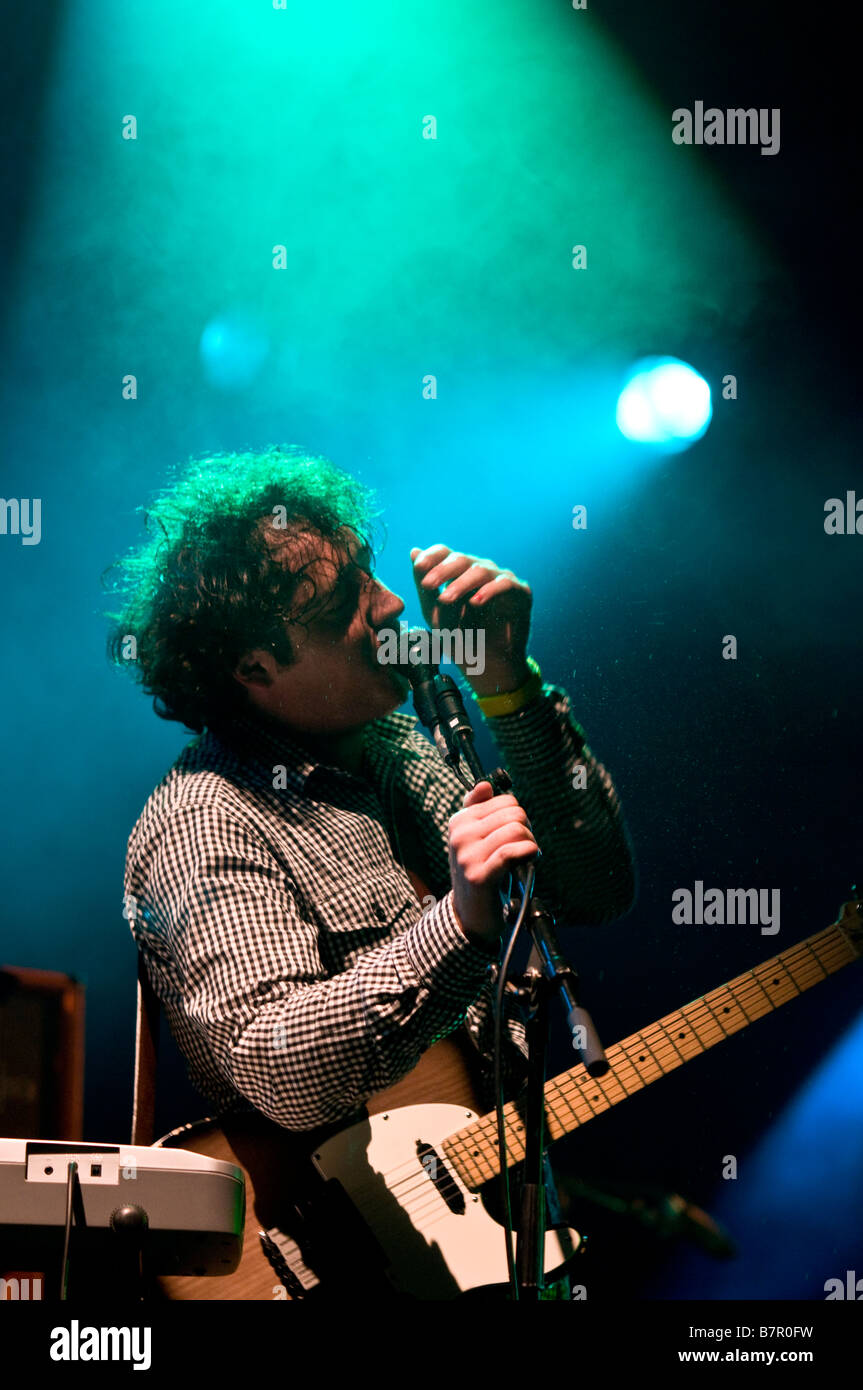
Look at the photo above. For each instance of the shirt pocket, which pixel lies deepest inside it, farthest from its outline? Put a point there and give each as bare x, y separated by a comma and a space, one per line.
368, 911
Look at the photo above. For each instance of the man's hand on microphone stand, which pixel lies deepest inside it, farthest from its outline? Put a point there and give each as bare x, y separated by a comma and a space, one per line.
478, 594
489, 839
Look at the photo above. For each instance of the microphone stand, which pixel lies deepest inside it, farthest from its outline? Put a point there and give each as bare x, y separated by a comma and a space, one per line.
439, 706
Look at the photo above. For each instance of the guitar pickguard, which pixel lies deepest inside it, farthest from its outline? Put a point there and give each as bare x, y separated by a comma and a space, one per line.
437, 1238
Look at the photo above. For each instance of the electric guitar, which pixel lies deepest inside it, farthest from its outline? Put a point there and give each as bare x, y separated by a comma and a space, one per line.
403, 1185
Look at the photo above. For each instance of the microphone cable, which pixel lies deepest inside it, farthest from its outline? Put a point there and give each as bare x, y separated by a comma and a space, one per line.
503, 972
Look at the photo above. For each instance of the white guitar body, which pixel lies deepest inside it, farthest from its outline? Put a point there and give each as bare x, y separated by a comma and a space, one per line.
436, 1236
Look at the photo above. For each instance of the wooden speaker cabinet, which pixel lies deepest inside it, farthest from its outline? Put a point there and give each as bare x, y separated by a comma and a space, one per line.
41, 1054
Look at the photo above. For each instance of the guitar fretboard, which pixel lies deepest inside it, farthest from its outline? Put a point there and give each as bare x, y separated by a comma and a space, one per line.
574, 1097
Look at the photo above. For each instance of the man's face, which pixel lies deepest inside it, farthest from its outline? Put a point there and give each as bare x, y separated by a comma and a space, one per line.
335, 682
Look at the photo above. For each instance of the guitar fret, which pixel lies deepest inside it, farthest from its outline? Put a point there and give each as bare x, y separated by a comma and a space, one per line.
556, 1097
641, 1059
624, 1070
575, 1097
589, 1101
774, 982
686, 1040
823, 972
674, 1035
600, 1085
718, 1031
767, 1005
845, 953
663, 1048
732, 1012
704, 1023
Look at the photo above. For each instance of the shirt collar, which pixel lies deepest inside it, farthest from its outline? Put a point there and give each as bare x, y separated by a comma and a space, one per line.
271, 745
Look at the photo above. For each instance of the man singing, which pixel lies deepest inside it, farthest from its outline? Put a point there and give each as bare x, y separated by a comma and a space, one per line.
314, 897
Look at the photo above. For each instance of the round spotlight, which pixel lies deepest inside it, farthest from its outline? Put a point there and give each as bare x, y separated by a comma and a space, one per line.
233, 351
665, 402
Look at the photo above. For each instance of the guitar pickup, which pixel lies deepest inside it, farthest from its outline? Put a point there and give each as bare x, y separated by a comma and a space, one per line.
442, 1178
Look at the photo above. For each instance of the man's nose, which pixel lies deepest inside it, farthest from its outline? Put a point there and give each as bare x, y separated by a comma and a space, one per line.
384, 605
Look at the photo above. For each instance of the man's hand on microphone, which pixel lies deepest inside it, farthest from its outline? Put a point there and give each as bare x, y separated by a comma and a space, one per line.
488, 839
478, 594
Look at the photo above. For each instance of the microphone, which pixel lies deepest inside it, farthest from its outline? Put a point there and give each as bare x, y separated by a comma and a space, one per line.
438, 701
421, 672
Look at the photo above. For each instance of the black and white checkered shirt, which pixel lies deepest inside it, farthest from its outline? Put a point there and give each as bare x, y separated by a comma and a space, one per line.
283, 937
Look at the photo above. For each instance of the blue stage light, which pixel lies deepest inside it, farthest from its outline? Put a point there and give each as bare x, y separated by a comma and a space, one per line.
664, 402
233, 351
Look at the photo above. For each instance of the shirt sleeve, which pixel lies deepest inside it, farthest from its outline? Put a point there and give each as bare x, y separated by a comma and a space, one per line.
587, 870
304, 1049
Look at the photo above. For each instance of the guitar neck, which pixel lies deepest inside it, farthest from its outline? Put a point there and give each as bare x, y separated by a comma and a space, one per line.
574, 1097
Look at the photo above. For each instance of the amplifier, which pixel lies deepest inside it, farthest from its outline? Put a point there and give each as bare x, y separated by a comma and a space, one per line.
41, 1054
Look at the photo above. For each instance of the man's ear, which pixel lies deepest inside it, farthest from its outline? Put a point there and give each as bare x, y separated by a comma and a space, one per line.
257, 667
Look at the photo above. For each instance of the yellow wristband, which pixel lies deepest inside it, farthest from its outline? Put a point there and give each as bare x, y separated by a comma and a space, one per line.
492, 706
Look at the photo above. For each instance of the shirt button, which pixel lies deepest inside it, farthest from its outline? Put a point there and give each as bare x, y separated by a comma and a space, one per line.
379, 911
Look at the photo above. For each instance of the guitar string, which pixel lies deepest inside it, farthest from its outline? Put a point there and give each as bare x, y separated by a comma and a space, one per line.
700, 1019
701, 1016
588, 1111
471, 1156
420, 1200
744, 994
697, 1020
700, 1024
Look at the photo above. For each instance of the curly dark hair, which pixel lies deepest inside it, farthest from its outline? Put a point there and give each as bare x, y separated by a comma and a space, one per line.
208, 584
